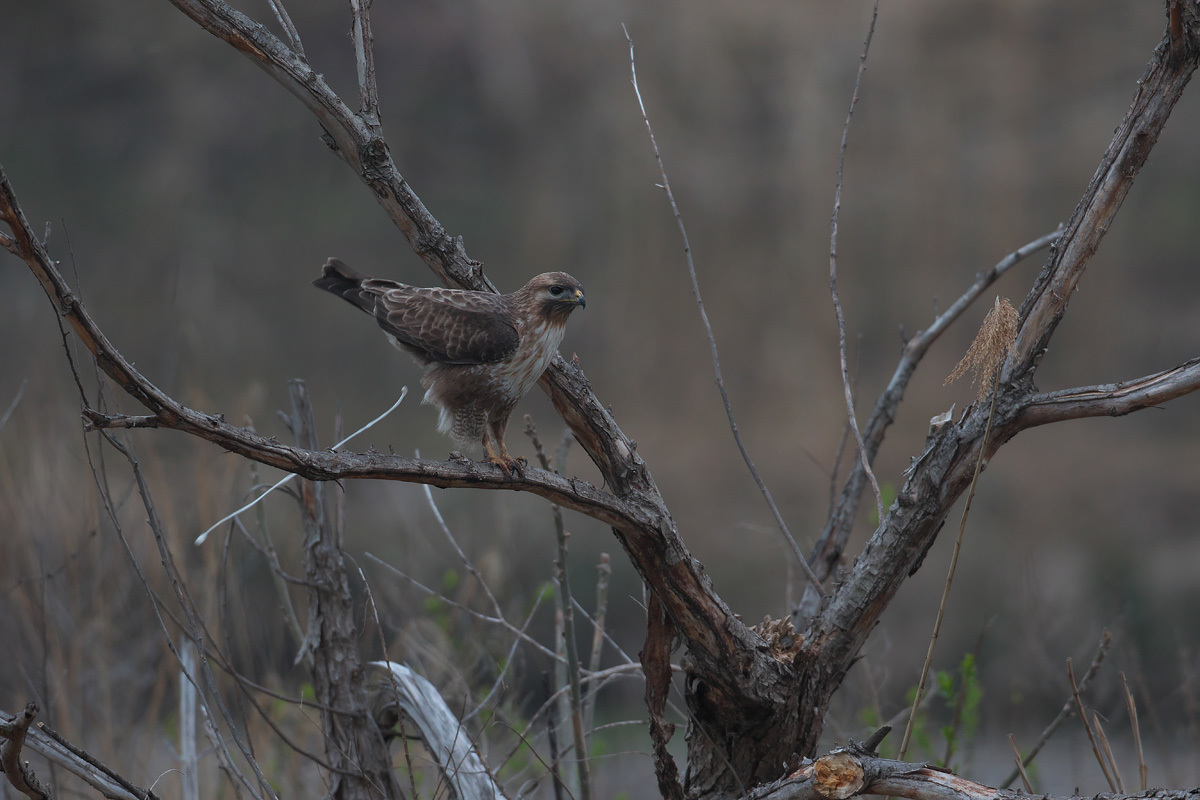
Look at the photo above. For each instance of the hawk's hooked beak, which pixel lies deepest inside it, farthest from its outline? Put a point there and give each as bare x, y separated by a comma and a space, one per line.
578, 299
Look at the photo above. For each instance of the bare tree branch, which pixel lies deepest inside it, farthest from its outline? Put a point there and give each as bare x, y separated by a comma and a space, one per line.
712, 339
13, 405
656, 664
364, 59
637, 513
836, 532
1068, 708
1110, 399
352, 139
195, 624
864, 460
733, 673
1159, 89
289, 28
52, 747
857, 771
497, 620
943, 471
18, 773
353, 743
716, 638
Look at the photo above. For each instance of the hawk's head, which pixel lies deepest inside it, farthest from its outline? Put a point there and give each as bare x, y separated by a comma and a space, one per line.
552, 295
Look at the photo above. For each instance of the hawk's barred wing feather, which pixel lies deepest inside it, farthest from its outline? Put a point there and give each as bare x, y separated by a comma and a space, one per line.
446, 325
482, 352
449, 326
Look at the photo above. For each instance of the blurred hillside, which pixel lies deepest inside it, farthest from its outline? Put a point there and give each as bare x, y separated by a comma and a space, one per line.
192, 201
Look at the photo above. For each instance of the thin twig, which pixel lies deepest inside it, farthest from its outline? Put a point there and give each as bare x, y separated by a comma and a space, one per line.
833, 290
1108, 754
501, 621
1160, 735
392, 682
364, 59
263, 551
289, 28
832, 541
1068, 708
1087, 726
1020, 767
461, 555
837, 466
534, 751
712, 341
573, 668
200, 539
507, 663
1131, 706
189, 763
603, 573
278, 576
561, 710
566, 670
552, 740
100, 477
599, 678
13, 405
962, 526
193, 621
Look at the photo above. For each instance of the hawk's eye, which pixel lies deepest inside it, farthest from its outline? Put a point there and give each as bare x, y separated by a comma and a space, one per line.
557, 291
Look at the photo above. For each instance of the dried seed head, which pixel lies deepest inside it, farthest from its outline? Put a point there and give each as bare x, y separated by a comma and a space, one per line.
991, 347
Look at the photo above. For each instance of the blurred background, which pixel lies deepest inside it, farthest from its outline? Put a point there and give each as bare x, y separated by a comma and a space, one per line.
191, 201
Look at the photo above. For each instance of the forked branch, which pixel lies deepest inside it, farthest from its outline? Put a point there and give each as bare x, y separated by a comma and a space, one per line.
654, 547
57, 750
943, 471
730, 668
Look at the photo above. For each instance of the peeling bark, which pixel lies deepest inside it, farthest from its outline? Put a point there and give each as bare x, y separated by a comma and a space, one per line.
656, 664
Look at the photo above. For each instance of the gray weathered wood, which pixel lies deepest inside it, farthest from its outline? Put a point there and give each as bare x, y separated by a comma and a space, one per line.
354, 746
444, 736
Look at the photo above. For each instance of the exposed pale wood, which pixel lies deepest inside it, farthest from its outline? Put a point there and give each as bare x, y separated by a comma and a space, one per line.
449, 745
881, 776
76, 761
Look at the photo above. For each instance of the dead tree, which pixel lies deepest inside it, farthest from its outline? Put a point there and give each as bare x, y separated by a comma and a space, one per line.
756, 696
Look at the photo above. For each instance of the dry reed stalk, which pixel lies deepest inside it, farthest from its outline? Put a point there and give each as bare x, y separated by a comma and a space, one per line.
1131, 705
985, 357
1087, 727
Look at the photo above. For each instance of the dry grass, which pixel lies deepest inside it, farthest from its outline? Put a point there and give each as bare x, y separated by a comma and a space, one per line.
85, 641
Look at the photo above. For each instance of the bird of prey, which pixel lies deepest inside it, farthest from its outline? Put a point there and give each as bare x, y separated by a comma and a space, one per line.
482, 352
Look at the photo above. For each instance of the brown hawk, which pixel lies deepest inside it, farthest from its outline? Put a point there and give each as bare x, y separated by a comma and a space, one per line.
482, 352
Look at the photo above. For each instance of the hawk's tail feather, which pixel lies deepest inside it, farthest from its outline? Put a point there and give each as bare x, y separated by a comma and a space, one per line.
346, 283
335, 266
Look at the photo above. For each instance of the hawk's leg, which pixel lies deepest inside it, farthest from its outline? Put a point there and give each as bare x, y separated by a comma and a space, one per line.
497, 452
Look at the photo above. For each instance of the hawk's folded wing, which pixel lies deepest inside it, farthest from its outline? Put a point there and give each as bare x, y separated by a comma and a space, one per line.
445, 325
